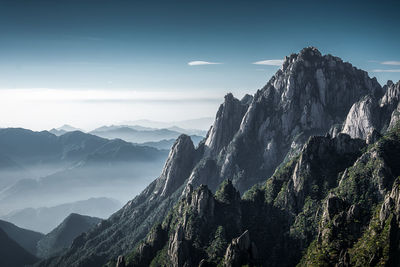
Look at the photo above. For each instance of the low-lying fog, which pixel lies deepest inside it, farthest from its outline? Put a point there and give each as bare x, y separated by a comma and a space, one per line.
44, 176
119, 181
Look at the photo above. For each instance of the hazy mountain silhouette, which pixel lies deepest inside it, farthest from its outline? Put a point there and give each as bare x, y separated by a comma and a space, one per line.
61, 237
71, 167
45, 219
199, 123
27, 239
138, 134
12, 254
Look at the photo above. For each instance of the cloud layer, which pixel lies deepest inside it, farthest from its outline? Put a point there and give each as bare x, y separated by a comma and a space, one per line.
200, 62
394, 70
390, 63
269, 62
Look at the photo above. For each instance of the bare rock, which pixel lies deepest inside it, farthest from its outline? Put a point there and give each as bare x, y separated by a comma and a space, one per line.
120, 261
178, 165
361, 119
241, 251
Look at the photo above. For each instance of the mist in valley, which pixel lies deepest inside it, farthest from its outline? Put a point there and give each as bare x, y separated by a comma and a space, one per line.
45, 177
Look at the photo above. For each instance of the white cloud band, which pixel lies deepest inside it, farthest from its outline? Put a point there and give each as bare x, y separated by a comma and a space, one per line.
269, 62
394, 70
390, 63
200, 63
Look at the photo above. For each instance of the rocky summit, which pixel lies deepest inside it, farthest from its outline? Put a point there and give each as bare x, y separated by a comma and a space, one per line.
304, 172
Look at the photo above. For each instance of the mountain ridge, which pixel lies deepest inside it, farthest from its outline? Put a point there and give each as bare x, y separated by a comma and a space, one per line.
308, 96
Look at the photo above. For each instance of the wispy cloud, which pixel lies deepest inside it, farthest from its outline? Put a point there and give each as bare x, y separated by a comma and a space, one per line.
269, 62
200, 62
390, 63
103, 95
394, 70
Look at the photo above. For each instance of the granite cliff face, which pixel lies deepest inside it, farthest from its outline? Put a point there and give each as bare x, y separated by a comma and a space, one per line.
226, 124
200, 219
178, 166
275, 219
281, 133
359, 224
310, 94
373, 113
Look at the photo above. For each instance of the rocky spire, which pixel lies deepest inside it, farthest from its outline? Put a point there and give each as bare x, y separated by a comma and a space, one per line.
241, 251
227, 123
373, 113
309, 94
362, 118
178, 166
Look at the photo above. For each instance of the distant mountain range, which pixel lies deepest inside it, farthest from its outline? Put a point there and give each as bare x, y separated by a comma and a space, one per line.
199, 123
21, 247
160, 138
64, 129
12, 254
27, 239
41, 169
138, 134
61, 237
45, 219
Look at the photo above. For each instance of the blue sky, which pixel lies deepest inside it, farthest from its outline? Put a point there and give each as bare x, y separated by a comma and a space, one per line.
145, 46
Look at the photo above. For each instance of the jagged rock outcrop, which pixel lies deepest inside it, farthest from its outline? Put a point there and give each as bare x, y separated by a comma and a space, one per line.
373, 136
120, 262
357, 226
241, 251
373, 113
361, 120
207, 230
324, 157
226, 124
395, 117
309, 95
391, 96
198, 220
178, 165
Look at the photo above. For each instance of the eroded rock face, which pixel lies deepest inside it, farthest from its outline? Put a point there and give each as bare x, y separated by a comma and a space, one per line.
373, 113
362, 119
391, 96
120, 261
307, 96
359, 225
373, 136
226, 124
201, 204
321, 155
179, 165
241, 251
395, 117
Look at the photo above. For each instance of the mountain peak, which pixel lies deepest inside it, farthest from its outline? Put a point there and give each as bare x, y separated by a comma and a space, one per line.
310, 51
229, 97
63, 235
178, 165
227, 122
